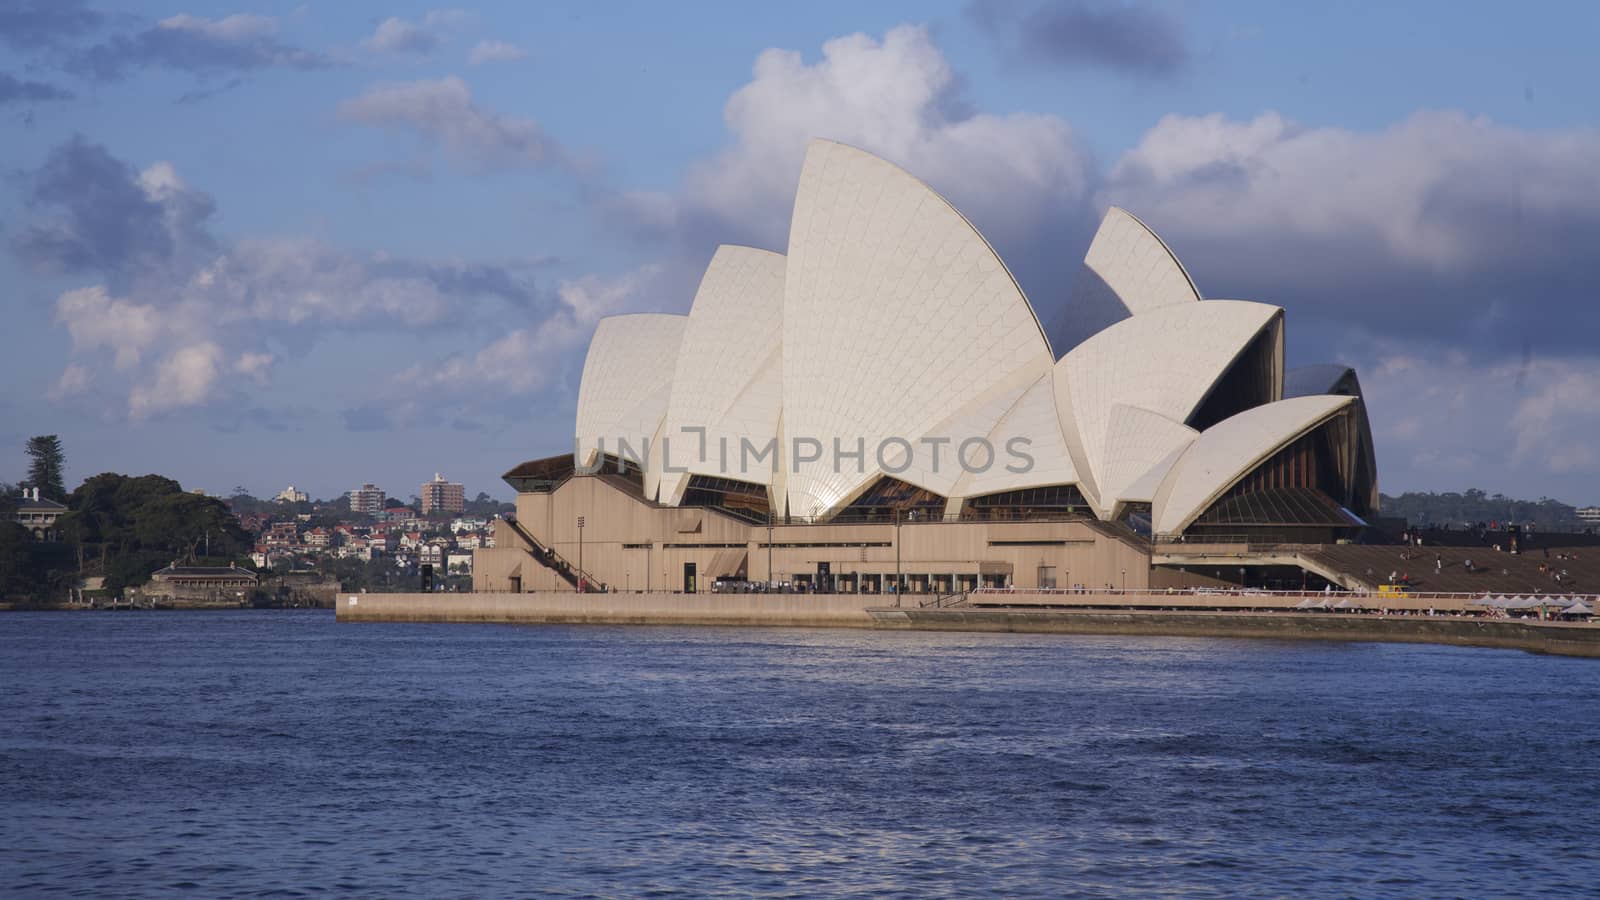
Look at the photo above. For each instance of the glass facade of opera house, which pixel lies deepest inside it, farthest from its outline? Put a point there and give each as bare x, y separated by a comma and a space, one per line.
779, 432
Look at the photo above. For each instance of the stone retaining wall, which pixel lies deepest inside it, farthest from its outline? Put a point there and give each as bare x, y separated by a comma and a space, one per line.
1541, 637
847, 611
800, 610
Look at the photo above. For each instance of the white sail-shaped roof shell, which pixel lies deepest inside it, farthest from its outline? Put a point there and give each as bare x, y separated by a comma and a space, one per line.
627, 382
935, 461
1128, 270
1165, 361
1138, 442
898, 317
729, 373
1229, 450
1027, 439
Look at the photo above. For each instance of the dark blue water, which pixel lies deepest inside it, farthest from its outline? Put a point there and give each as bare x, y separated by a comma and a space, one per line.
247, 753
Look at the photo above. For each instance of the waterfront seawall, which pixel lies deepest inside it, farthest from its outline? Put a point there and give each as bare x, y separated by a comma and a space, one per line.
1540, 637
562, 608
851, 611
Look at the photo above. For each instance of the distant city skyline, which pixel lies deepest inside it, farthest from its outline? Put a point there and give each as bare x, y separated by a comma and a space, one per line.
321, 245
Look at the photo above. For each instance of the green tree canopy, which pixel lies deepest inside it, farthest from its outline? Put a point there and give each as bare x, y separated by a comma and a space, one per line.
46, 462
139, 524
1473, 506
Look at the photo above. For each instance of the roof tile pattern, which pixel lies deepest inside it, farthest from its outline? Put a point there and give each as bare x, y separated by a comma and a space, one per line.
728, 374
1127, 271
1228, 450
627, 380
1029, 448
1137, 441
892, 329
897, 317
1164, 361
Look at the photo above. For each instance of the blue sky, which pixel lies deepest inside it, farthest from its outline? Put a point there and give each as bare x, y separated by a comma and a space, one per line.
327, 243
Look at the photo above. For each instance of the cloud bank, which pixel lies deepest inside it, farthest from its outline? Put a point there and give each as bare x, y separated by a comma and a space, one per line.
442, 112
188, 43
1132, 38
183, 318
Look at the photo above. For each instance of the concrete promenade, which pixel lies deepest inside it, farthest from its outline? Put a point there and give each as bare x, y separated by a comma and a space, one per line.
858, 611
566, 607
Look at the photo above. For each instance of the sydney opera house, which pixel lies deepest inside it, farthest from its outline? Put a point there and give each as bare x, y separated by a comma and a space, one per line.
881, 409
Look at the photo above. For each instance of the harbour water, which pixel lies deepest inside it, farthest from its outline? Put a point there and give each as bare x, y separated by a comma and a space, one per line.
280, 753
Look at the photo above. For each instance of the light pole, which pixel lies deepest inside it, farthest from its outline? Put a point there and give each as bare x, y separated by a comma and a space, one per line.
769, 549
583, 577
1124, 579
899, 580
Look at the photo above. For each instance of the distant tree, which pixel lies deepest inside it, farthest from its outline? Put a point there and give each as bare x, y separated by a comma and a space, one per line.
33, 572
393, 503
8, 500
1474, 506
486, 506
18, 578
139, 524
45, 464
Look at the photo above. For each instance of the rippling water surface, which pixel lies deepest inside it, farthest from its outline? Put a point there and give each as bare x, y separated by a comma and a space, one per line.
243, 753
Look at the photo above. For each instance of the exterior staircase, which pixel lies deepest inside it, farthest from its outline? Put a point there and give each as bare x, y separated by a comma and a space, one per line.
554, 561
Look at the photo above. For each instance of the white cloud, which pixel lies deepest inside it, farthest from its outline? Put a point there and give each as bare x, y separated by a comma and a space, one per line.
442, 111
1431, 190
399, 36
591, 297
186, 377
296, 281
1554, 420
254, 365
526, 359
494, 51
195, 44
897, 98
1444, 419
232, 29
74, 380
183, 318
97, 320
516, 363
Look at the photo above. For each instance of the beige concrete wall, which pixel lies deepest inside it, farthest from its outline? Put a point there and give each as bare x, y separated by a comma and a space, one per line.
630, 545
801, 610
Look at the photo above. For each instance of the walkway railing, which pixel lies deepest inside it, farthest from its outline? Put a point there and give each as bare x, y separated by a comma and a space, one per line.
1469, 597
550, 559
1224, 545
945, 601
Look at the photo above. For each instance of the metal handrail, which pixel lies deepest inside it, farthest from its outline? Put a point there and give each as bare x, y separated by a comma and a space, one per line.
1252, 592
944, 601
550, 559
1168, 544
